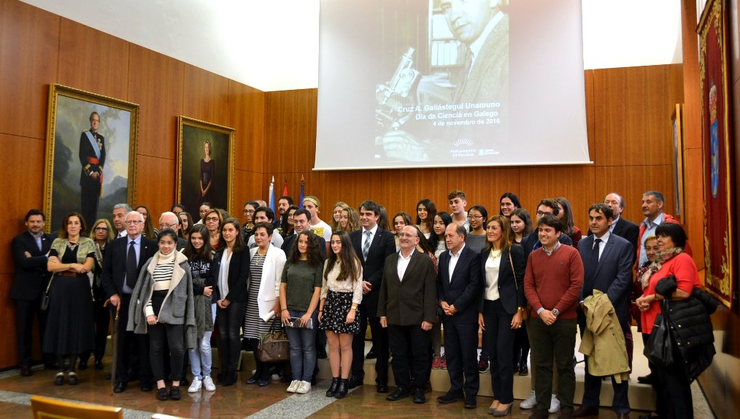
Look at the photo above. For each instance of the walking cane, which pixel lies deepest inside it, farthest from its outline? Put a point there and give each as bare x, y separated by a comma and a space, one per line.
114, 343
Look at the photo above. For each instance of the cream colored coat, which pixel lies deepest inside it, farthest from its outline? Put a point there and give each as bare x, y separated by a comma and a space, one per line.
272, 272
603, 341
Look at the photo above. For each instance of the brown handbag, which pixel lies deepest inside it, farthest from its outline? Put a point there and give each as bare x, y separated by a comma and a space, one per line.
273, 346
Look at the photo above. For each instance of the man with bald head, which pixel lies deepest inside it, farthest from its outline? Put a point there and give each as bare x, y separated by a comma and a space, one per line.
122, 264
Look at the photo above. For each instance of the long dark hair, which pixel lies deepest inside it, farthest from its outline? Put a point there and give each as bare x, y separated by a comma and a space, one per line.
238, 242
507, 236
433, 238
285, 228
148, 226
205, 253
567, 217
514, 200
431, 212
187, 215
314, 255
348, 260
524, 216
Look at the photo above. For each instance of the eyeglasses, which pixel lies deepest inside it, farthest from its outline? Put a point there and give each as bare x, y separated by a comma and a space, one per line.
101, 228
133, 221
163, 226
212, 219
474, 217
249, 211
543, 213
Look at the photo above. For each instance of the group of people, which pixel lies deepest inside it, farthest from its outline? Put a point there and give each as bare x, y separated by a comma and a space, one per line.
522, 282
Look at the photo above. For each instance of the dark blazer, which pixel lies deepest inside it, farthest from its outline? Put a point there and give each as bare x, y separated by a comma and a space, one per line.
30, 273
383, 245
531, 242
625, 229
613, 275
510, 292
464, 290
114, 262
413, 300
238, 276
287, 246
181, 244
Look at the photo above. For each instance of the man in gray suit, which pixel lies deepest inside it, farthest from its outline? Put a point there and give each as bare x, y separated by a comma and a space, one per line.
607, 262
407, 307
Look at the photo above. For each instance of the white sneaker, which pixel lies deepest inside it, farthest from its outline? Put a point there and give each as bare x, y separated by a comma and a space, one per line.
208, 383
293, 386
304, 387
530, 402
195, 385
554, 404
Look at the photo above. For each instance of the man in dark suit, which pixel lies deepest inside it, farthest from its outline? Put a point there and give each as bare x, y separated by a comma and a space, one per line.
407, 307
625, 229
30, 251
92, 160
301, 222
372, 245
607, 262
121, 267
458, 291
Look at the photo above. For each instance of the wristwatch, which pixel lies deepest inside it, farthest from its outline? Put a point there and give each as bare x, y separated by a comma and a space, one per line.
555, 312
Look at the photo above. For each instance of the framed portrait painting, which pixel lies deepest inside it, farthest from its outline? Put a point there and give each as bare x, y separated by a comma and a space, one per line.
205, 166
90, 155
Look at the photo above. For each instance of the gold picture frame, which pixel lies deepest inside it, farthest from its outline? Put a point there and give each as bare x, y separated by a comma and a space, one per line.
77, 158
193, 169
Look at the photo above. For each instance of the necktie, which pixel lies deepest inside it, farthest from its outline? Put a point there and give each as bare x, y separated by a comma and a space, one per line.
131, 266
366, 246
593, 263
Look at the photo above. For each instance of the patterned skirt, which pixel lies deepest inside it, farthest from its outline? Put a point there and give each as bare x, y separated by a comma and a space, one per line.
334, 317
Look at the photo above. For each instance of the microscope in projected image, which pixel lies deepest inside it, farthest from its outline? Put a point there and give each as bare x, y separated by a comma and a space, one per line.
401, 100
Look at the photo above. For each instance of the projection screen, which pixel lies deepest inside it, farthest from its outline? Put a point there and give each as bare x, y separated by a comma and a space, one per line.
438, 83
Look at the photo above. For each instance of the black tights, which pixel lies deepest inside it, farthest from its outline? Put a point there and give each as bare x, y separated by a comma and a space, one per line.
72, 362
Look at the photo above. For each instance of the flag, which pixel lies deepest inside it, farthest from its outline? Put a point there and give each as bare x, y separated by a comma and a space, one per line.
285, 187
271, 194
303, 192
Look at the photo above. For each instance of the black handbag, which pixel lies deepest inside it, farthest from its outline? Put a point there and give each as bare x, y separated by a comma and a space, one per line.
273, 346
45, 298
659, 349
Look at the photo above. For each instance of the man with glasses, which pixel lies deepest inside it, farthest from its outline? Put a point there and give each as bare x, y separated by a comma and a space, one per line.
172, 221
121, 267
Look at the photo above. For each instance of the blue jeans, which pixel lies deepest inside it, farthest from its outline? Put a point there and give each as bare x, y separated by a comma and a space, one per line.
302, 347
200, 356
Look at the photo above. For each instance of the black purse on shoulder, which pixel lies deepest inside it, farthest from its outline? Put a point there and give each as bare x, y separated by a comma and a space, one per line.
659, 349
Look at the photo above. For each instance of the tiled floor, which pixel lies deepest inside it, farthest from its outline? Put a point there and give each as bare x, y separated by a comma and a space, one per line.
242, 400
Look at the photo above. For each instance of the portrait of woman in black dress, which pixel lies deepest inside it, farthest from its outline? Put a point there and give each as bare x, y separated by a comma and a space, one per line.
207, 172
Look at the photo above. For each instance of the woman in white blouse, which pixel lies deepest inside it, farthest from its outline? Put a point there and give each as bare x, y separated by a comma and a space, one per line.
500, 309
340, 295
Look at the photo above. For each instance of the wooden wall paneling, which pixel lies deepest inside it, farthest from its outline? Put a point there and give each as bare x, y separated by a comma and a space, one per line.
93, 60
29, 50
247, 107
631, 182
155, 83
483, 185
22, 182
8, 351
576, 183
206, 96
632, 114
155, 184
405, 188
247, 186
590, 113
290, 131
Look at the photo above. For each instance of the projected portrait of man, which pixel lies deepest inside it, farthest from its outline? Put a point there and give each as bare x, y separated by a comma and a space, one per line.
483, 29
92, 160
459, 111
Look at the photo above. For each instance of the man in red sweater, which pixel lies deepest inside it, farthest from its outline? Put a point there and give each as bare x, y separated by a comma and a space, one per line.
552, 284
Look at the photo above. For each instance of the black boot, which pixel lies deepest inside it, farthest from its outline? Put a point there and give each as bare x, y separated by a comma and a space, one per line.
333, 387
341, 389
